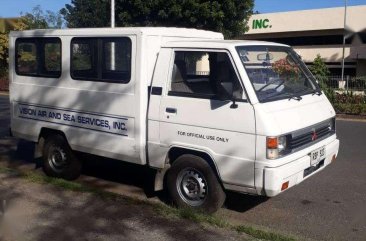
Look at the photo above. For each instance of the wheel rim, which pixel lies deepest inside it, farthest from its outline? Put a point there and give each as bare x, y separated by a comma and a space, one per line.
57, 158
192, 186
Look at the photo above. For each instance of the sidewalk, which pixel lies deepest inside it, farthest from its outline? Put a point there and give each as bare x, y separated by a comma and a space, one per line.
43, 212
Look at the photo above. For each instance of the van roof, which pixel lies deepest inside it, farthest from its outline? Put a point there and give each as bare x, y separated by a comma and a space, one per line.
218, 43
157, 31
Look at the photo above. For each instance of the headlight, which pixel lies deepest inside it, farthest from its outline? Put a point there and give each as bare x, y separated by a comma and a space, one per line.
277, 147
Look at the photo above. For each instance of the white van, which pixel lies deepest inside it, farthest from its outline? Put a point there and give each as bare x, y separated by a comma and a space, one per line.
208, 114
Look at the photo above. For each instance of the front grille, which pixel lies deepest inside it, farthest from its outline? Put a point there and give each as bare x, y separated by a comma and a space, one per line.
312, 134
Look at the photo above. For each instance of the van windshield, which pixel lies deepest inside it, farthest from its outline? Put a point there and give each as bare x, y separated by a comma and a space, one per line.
276, 72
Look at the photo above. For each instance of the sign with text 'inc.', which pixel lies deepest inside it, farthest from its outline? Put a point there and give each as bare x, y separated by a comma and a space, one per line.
92, 121
261, 24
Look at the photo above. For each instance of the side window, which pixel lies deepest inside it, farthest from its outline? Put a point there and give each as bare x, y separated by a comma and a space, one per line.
201, 74
83, 59
117, 59
39, 57
101, 59
26, 57
51, 58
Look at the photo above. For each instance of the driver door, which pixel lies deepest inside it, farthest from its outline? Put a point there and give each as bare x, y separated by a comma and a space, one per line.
194, 115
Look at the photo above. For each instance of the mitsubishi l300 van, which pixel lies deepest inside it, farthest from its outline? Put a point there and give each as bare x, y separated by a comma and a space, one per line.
207, 114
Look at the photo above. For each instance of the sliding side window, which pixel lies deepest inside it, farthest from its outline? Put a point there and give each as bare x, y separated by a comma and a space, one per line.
39, 57
101, 59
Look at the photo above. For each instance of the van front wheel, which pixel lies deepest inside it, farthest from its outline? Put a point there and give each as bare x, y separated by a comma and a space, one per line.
192, 183
59, 160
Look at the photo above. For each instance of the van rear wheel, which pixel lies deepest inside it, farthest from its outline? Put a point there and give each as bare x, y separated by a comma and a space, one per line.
192, 183
59, 160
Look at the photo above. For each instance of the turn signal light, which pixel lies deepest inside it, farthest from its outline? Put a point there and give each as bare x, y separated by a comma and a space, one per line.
284, 185
272, 142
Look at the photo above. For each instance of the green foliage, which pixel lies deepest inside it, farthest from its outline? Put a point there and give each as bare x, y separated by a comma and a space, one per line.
84, 14
19, 25
320, 69
321, 72
38, 19
349, 103
343, 103
228, 16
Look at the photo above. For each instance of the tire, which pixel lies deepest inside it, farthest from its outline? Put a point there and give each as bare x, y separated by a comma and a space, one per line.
59, 160
192, 183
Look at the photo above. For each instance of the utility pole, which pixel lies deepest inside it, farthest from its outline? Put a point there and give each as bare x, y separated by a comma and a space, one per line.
113, 45
344, 37
112, 14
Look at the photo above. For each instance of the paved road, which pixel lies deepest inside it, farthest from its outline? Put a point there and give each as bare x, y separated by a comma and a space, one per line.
328, 206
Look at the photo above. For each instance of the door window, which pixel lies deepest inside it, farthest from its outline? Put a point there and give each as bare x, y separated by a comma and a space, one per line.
200, 74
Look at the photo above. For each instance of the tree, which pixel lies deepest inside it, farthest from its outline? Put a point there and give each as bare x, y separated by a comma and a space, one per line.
87, 14
319, 68
38, 19
321, 72
19, 24
227, 16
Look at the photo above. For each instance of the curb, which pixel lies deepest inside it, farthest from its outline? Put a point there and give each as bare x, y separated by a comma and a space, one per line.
345, 117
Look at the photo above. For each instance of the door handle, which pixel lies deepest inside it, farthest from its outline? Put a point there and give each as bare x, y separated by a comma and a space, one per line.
171, 110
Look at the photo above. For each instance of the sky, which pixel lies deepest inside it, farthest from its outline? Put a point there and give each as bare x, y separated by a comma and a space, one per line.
13, 8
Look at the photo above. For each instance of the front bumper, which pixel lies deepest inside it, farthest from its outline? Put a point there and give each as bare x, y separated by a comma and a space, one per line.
296, 171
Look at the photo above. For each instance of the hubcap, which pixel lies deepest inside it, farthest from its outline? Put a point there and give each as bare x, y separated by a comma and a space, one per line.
192, 186
57, 159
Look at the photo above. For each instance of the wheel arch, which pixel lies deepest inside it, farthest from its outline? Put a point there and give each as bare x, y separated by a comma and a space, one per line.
177, 151
43, 134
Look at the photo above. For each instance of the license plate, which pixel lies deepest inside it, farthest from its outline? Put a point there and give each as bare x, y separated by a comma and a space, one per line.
317, 155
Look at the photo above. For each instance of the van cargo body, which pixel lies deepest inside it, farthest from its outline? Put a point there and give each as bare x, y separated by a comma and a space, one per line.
207, 114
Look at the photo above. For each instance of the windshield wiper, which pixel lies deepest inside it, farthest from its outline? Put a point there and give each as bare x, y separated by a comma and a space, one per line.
317, 92
272, 82
298, 98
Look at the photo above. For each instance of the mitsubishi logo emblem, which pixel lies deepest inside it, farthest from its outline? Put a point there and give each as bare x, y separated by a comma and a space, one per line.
314, 136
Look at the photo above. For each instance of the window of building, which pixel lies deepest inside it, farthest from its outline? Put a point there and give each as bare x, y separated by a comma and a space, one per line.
200, 74
101, 59
40, 57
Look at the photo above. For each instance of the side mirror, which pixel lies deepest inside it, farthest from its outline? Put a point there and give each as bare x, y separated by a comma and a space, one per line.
227, 93
226, 90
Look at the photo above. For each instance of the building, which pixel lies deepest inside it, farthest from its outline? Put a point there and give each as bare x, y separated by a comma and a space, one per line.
318, 31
